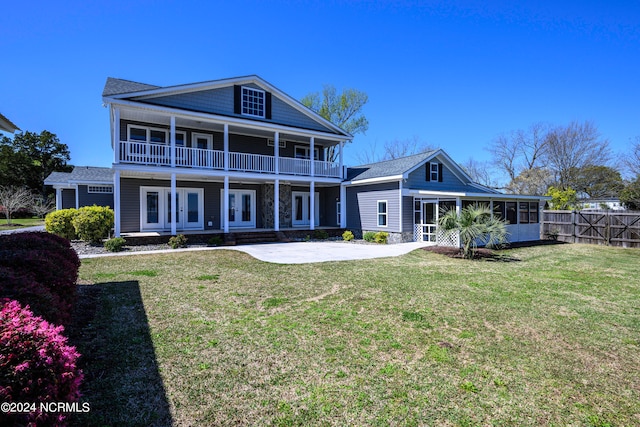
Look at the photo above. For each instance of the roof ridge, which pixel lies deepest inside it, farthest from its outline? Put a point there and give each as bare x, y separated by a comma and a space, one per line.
424, 153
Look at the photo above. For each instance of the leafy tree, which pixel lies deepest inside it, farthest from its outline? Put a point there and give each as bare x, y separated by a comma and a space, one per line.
475, 224
630, 195
342, 109
28, 158
597, 181
562, 199
14, 198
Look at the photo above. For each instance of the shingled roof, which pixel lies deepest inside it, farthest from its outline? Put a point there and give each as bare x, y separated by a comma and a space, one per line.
115, 86
81, 174
387, 168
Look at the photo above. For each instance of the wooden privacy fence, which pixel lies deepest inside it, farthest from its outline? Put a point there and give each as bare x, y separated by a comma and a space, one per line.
599, 227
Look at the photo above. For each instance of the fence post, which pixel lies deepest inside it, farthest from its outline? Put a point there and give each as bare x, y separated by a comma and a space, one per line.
607, 229
573, 225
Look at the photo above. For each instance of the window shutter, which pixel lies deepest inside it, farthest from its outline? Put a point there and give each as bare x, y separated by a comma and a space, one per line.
428, 175
440, 172
237, 99
267, 105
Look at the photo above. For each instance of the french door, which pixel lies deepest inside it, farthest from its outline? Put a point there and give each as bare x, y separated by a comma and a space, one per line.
301, 205
242, 208
156, 208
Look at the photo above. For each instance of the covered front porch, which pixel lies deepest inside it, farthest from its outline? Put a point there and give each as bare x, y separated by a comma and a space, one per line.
220, 204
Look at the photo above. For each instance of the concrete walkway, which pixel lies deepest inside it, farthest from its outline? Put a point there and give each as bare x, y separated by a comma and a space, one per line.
301, 252
23, 229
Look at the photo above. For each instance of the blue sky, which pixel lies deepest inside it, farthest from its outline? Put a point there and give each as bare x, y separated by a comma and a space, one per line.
452, 74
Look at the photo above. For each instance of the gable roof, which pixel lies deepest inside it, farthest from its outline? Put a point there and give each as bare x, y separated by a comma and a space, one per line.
388, 168
7, 125
81, 174
118, 89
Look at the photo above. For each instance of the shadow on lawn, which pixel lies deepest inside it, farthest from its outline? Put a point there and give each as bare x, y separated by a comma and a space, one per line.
122, 382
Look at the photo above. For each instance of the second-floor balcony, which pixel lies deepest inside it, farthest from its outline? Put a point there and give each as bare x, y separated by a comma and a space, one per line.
144, 153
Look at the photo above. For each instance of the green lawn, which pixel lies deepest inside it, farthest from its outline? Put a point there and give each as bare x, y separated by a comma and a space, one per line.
20, 223
548, 336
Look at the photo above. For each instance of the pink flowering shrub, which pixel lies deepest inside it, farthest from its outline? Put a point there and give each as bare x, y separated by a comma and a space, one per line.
36, 365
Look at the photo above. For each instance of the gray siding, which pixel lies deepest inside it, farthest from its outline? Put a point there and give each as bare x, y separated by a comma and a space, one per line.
417, 181
89, 199
220, 101
68, 199
362, 207
407, 214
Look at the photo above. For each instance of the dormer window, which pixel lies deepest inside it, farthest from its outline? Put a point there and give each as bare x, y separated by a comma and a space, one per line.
434, 172
253, 102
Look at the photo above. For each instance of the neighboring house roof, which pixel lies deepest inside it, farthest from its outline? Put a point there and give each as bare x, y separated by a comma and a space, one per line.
7, 125
118, 89
81, 174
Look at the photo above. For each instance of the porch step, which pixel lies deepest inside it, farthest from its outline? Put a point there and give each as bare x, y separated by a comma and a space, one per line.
249, 238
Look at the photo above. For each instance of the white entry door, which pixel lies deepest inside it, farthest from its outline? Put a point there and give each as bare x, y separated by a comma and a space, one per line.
242, 208
301, 205
190, 212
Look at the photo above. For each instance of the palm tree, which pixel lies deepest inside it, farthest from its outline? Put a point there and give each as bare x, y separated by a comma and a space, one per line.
475, 225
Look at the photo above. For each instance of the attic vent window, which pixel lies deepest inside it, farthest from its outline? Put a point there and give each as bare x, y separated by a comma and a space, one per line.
253, 102
104, 189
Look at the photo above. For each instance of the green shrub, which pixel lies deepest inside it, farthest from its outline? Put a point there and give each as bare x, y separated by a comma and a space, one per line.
179, 241
347, 236
93, 223
369, 236
381, 237
114, 245
320, 234
215, 241
60, 223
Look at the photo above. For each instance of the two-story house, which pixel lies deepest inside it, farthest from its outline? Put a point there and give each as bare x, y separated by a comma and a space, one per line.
239, 154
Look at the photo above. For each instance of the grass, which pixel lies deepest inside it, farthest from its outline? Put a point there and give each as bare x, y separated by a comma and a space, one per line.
20, 223
219, 338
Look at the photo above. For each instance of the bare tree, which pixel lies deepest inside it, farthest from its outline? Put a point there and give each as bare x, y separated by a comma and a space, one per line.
481, 173
520, 150
41, 206
13, 199
632, 160
573, 147
534, 181
394, 150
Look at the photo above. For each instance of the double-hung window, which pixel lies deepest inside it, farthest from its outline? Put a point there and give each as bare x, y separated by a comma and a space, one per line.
434, 172
528, 212
382, 213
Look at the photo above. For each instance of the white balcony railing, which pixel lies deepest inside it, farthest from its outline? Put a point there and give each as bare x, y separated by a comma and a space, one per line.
160, 155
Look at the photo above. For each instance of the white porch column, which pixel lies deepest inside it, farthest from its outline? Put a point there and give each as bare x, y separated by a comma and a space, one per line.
174, 204
226, 154
343, 206
341, 156
312, 202
458, 205
116, 135
225, 204
312, 156
173, 141
491, 207
116, 203
58, 199
276, 152
276, 204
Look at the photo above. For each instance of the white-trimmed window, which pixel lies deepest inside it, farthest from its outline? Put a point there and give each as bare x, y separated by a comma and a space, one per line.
101, 189
203, 141
338, 214
281, 143
148, 134
253, 102
434, 172
382, 213
304, 152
